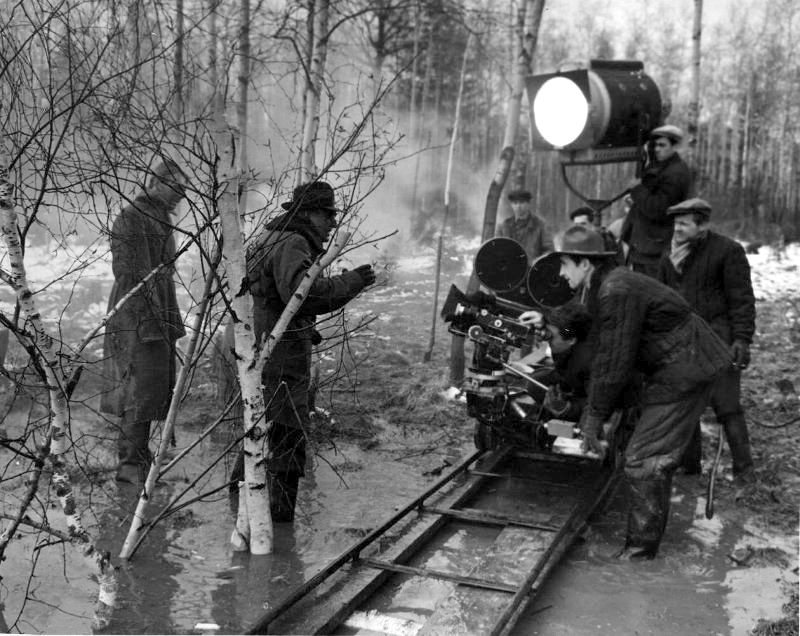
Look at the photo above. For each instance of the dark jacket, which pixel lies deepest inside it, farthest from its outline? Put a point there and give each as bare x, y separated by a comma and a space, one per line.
642, 325
715, 281
531, 233
141, 240
647, 228
275, 269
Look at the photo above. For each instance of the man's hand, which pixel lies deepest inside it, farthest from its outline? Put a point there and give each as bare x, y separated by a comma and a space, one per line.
532, 318
555, 402
591, 427
740, 351
366, 273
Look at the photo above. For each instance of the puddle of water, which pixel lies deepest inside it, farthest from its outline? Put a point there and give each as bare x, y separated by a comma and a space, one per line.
692, 587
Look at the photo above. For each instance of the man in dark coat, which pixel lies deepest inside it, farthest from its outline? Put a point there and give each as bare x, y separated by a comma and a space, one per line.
525, 227
139, 343
641, 326
712, 273
275, 268
648, 228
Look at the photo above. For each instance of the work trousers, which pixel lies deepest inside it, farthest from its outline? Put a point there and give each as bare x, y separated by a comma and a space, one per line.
725, 399
659, 439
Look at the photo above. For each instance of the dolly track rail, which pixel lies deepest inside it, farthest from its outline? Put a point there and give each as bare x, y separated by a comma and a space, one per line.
262, 625
498, 584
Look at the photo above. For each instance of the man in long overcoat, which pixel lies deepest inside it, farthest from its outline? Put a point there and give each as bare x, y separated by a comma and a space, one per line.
647, 228
641, 325
275, 268
712, 273
139, 343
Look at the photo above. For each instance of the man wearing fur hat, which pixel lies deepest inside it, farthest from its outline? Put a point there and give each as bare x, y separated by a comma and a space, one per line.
648, 228
712, 273
139, 342
525, 227
643, 326
275, 268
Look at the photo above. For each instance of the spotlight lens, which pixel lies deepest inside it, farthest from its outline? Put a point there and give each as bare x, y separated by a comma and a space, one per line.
560, 111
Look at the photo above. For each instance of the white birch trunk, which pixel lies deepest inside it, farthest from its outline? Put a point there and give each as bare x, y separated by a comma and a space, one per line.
254, 523
56, 441
319, 51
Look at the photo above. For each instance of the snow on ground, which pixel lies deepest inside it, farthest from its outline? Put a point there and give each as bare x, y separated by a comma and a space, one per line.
776, 272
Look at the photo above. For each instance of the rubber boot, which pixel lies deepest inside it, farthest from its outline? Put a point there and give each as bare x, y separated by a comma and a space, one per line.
691, 462
283, 495
647, 517
237, 475
132, 450
739, 443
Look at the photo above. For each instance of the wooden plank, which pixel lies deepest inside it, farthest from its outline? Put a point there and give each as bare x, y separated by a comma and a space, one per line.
470, 581
322, 612
471, 611
496, 519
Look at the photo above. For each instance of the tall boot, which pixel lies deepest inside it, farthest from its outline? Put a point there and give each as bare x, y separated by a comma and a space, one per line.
739, 442
283, 495
132, 449
647, 517
237, 475
691, 462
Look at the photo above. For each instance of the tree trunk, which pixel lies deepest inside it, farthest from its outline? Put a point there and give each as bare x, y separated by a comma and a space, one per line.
448, 178
241, 108
694, 102
254, 522
55, 443
529, 19
178, 111
308, 170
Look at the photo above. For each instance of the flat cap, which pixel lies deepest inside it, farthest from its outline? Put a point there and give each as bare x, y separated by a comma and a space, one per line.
689, 206
519, 194
669, 131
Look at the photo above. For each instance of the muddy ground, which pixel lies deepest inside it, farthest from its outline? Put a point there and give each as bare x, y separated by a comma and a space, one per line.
386, 430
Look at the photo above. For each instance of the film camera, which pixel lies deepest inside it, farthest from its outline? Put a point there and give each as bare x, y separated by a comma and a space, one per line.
504, 395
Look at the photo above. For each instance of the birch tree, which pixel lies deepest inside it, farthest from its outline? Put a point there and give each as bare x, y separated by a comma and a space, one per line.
528, 21
313, 90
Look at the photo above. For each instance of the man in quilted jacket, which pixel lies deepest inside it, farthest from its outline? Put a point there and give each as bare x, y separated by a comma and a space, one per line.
643, 326
712, 273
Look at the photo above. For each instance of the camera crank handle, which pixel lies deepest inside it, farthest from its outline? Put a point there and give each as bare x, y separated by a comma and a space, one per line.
712, 476
524, 375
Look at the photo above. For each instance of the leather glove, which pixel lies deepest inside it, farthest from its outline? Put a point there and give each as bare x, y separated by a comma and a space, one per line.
555, 402
366, 273
740, 351
590, 427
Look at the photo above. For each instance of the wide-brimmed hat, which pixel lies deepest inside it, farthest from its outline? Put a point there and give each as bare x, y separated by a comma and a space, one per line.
691, 205
582, 240
673, 133
316, 195
519, 194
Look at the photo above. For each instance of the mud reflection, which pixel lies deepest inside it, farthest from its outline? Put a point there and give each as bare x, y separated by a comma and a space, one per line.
148, 582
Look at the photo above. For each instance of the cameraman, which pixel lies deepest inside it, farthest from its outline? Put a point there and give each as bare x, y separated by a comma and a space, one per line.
566, 331
641, 325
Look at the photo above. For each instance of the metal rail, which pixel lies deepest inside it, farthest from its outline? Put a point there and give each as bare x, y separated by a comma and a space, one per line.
262, 624
502, 614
